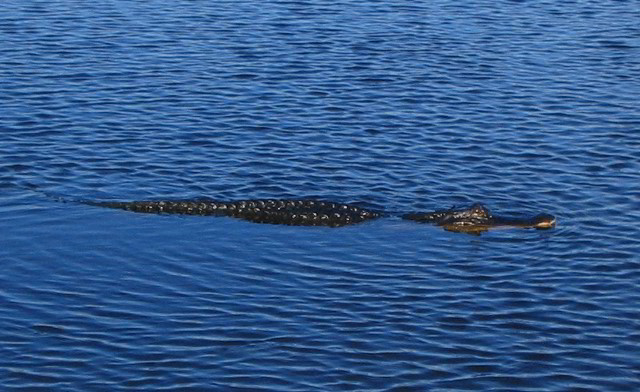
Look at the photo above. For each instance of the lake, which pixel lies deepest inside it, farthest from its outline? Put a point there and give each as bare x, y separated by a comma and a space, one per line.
527, 107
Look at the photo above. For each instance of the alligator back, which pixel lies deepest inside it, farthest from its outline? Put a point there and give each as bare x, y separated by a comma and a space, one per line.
287, 212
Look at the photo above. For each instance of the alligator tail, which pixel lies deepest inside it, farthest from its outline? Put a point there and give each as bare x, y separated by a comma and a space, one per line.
166, 207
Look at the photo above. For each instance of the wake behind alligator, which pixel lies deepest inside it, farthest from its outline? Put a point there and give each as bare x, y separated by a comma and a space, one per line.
308, 212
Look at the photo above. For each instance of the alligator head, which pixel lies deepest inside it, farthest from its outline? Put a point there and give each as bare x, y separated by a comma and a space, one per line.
477, 219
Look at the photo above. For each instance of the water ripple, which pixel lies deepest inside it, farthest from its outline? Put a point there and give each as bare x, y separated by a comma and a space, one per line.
527, 107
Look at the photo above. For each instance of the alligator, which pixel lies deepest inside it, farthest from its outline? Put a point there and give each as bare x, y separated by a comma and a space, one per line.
307, 212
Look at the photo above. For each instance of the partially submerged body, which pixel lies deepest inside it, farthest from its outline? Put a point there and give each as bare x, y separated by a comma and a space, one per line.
284, 212
475, 219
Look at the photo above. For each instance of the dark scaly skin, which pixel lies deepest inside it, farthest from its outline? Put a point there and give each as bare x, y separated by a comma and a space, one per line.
477, 214
286, 212
477, 219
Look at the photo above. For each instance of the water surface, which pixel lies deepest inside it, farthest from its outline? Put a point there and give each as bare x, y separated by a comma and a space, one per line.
527, 107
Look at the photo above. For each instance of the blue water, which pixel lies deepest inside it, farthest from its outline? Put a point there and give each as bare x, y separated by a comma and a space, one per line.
525, 106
